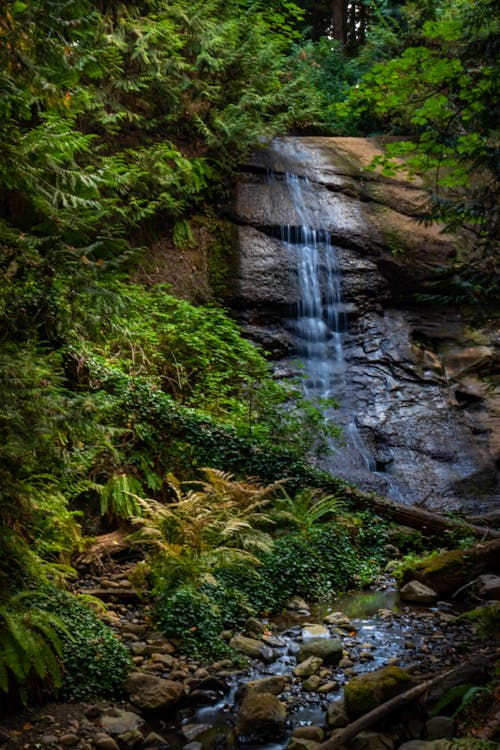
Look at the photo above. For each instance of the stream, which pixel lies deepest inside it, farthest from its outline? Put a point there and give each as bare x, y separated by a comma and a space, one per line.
381, 632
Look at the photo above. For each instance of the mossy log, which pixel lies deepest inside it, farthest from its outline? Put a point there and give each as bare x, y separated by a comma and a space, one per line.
416, 518
449, 571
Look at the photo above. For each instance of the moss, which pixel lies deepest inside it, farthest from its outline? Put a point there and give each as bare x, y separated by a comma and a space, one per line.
365, 692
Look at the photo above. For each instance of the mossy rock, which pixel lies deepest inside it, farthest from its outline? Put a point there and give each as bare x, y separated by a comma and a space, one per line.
448, 571
367, 691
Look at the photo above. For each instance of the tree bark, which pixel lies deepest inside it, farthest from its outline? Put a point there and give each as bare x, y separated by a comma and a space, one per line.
339, 19
423, 520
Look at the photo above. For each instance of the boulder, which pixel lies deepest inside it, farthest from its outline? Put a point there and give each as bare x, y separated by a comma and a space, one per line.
339, 620
297, 604
328, 649
371, 741
417, 592
115, 721
260, 719
252, 647
439, 727
274, 684
302, 743
487, 586
309, 733
315, 631
367, 691
152, 693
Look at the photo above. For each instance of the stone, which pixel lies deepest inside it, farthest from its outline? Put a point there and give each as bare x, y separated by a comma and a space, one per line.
49, 739
336, 715
328, 649
439, 727
312, 683
339, 620
116, 721
413, 745
192, 731
297, 604
252, 647
329, 687
254, 627
152, 693
315, 631
302, 743
367, 691
274, 684
308, 667
487, 586
193, 746
370, 740
310, 733
105, 742
260, 719
417, 592
153, 739
68, 740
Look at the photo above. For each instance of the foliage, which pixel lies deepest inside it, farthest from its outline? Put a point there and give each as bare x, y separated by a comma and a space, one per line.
202, 530
306, 508
487, 619
95, 662
192, 616
30, 646
441, 90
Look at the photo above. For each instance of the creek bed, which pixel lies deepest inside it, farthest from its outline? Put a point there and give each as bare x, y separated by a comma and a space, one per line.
384, 632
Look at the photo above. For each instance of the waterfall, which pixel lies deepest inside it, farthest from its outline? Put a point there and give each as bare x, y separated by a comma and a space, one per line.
320, 325
321, 319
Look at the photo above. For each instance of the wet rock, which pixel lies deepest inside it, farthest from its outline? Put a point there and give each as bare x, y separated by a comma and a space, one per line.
308, 667
310, 733
154, 740
261, 718
340, 620
439, 727
417, 592
487, 586
254, 627
371, 741
297, 604
191, 731
367, 691
329, 687
105, 742
328, 649
336, 715
116, 721
274, 684
202, 697
302, 743
153, 693
315, 631
252, 647
193, 746
68, 740
312, 683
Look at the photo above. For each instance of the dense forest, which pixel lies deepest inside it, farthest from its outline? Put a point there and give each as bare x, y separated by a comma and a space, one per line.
122, 124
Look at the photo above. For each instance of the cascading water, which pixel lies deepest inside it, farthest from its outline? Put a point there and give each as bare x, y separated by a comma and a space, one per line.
321, 321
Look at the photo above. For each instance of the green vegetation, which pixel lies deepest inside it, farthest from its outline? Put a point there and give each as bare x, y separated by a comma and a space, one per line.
122, 125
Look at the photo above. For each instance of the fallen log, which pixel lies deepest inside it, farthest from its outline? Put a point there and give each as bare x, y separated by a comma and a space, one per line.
374, 716
417, 518
476, 670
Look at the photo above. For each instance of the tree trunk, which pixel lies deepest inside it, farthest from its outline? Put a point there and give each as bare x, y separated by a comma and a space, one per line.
423, 520
338, 20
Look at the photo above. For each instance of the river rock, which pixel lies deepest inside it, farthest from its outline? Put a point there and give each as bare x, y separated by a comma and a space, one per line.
367, 691
336, 715
312, 683
370, 740
254, 627
315, 631
297, 604
487, 586
328, 649
274, 684
252, 647
302, 743
310, 733
153, 693
417, 592
439, 727
115, 721
261, 718
339, 620
308, 667
103, 741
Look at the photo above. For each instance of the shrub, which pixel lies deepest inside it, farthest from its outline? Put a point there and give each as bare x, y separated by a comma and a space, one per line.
95, 662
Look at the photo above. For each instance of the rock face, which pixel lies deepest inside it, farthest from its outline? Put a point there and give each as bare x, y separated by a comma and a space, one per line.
419, 396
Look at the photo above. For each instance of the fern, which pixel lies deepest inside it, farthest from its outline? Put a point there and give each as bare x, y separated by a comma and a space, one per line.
120, 497
30, 645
